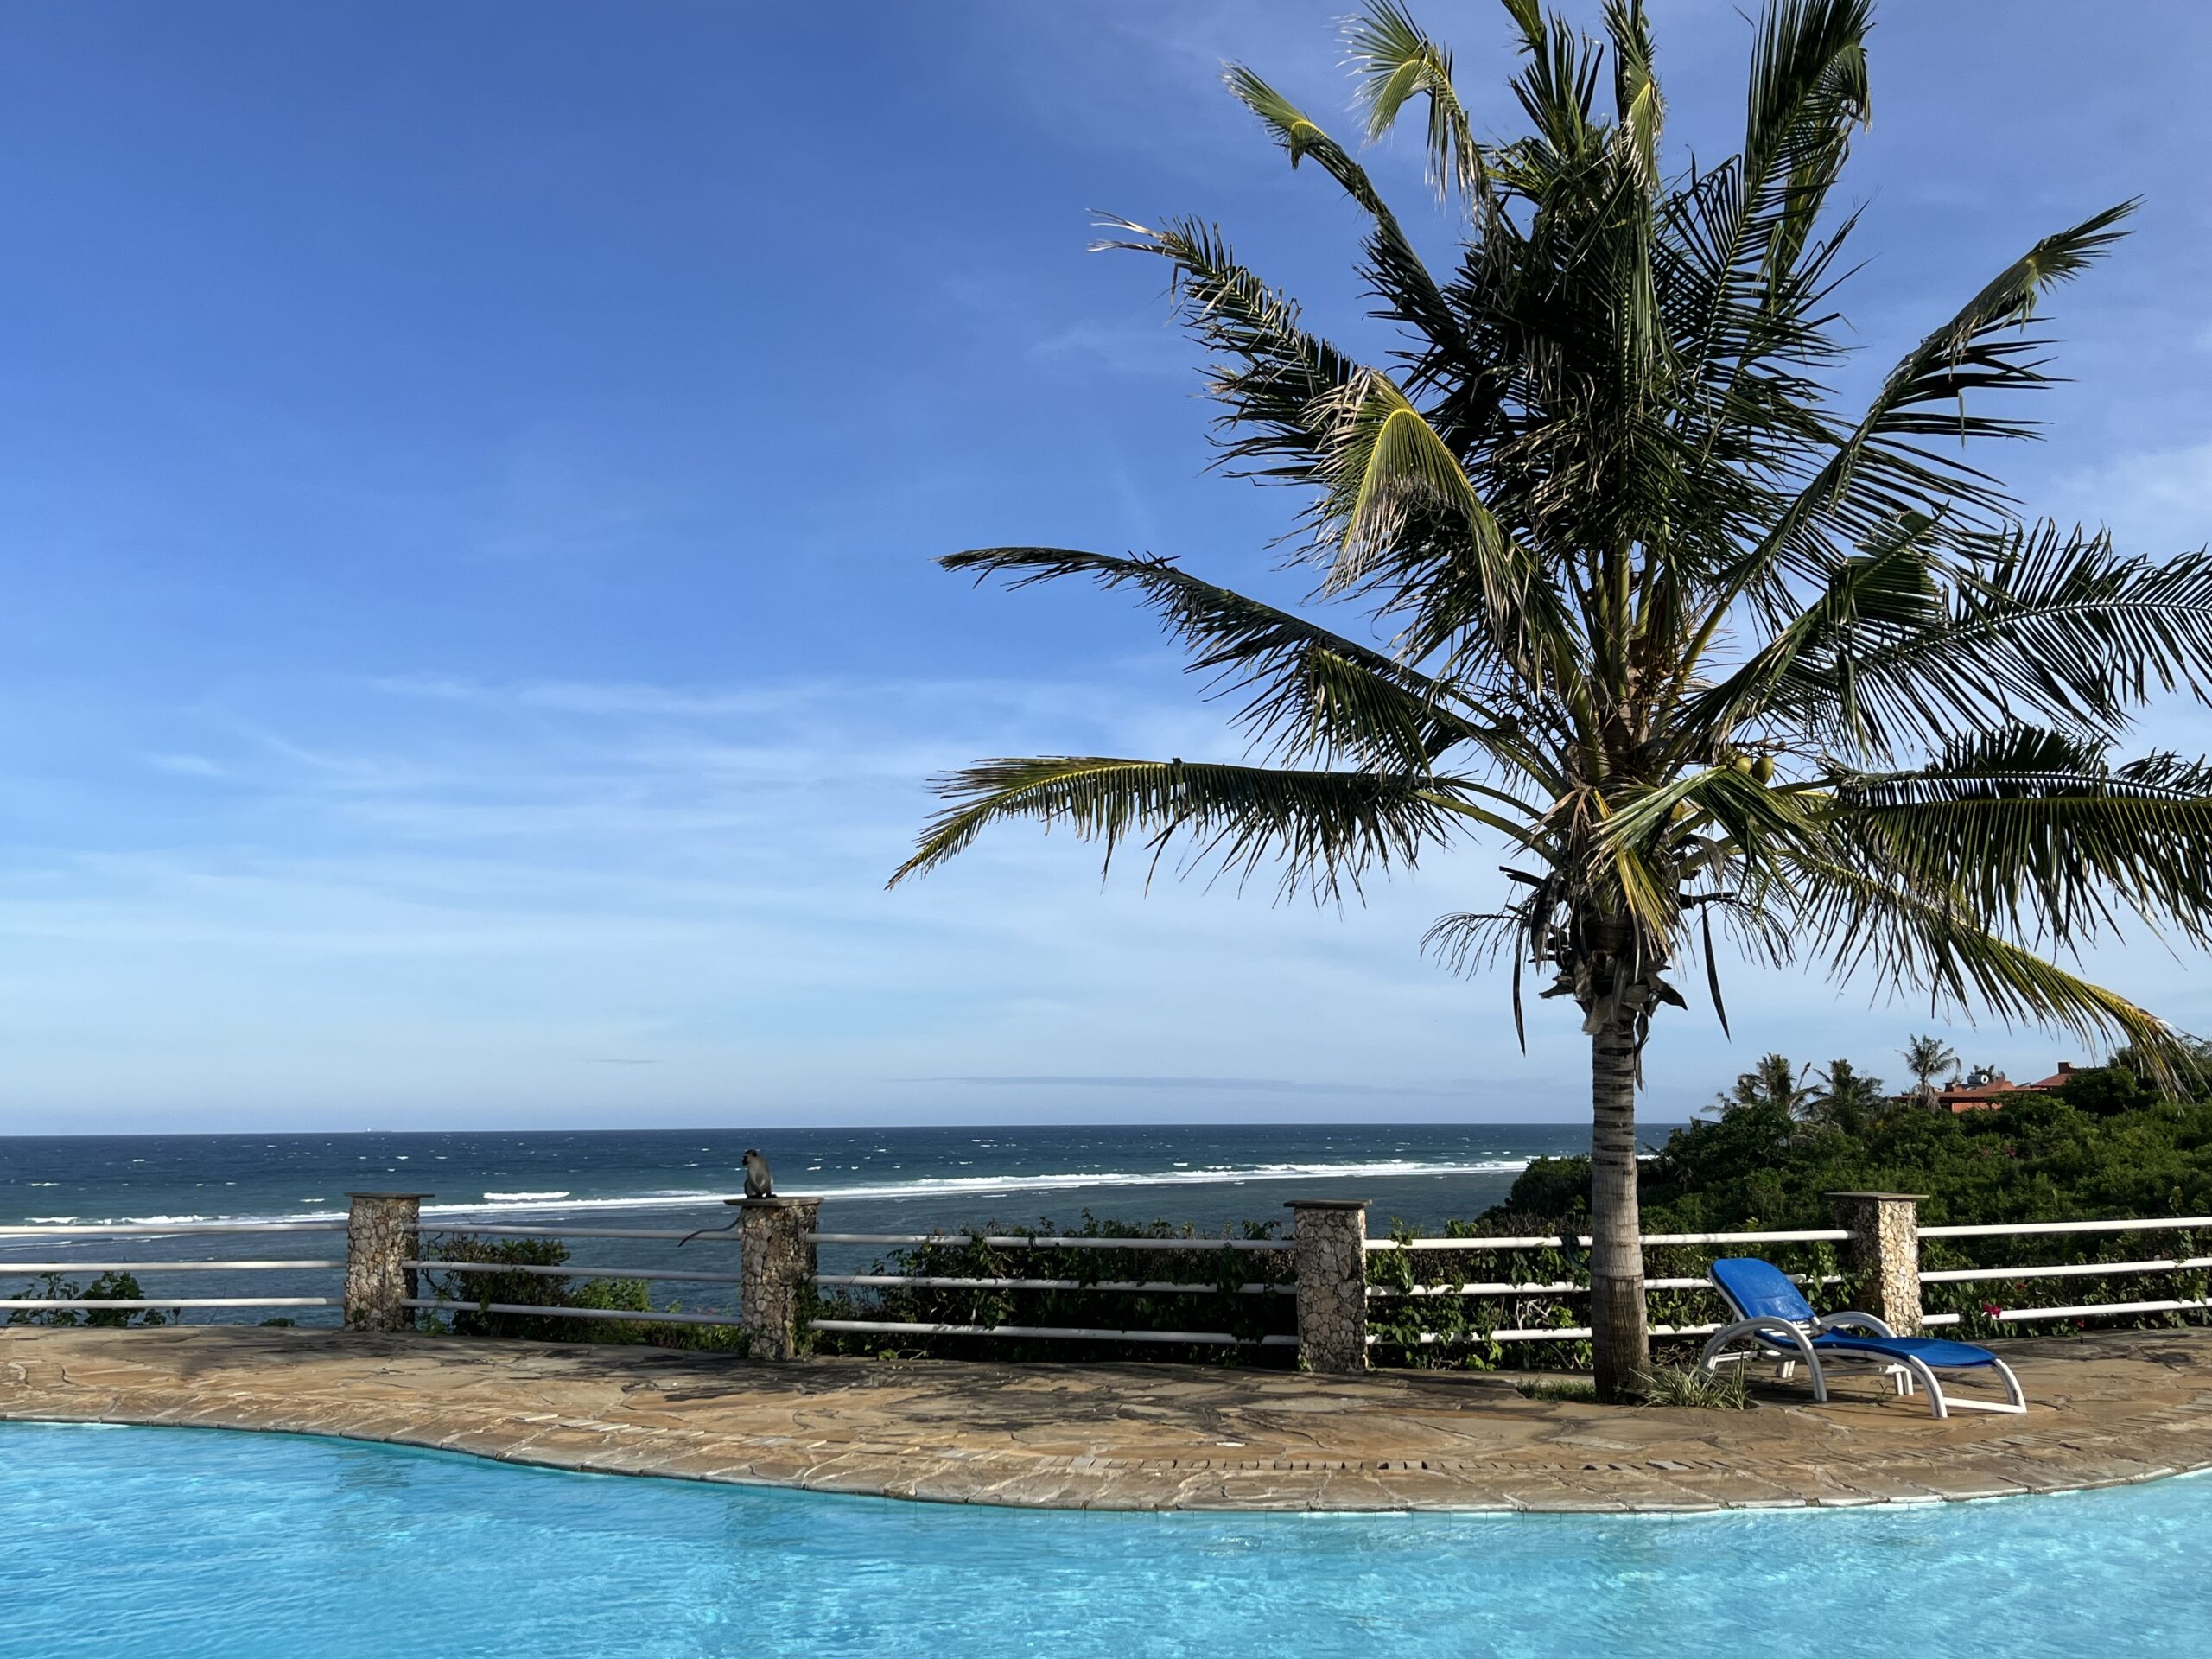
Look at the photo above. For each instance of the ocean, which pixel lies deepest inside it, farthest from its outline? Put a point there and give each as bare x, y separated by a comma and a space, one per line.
882, 1180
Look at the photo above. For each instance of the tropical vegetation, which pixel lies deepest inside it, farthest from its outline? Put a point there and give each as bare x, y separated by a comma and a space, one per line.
1612, 582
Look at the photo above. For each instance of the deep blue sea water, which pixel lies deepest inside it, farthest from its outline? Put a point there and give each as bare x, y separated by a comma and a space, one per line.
1206, 1173
142, 1544
874, 1181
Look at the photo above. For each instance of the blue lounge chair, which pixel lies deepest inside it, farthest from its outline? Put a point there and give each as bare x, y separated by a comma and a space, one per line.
1773, 1312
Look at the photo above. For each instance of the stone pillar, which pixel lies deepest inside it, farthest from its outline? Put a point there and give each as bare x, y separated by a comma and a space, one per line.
1332, 1236
382, 1231
778, 1265
1884, 1229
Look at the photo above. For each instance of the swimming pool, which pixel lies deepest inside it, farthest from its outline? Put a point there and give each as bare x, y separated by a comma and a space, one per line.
179, 1543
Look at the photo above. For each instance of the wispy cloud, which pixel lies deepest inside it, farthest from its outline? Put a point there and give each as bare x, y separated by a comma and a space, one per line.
185, 766
1090, 345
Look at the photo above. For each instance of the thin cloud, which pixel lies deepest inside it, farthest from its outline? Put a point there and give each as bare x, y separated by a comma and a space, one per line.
185, 766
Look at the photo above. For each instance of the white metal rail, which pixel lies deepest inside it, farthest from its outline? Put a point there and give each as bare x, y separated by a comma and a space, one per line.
1561, 1333
569, 1270
1564, 1287
59, 1231
641, 1316
1583, 1241
1018, 1241
1130, 1286
2070, 1269
1071, 1333
161, 1230
2168, 1223
556, 1229
127, 1304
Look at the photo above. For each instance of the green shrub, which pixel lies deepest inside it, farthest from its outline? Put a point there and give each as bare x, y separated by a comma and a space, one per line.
119, 1286
528, 1289
1072, 1275
549, 1290
1693, 1388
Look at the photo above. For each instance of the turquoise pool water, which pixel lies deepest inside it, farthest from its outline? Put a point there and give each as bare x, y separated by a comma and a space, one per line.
178, 1543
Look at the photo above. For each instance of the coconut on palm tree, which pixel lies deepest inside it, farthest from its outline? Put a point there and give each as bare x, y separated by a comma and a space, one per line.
1610, 582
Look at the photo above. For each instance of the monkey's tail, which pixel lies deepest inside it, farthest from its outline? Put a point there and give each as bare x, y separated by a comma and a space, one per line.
687, 1237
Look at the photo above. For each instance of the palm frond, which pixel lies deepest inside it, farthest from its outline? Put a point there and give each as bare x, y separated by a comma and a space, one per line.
1393, 268
1396, 62
2036, 626
1325, 830
1914, 940
2040, 834
1309, 692
1879, 468
1273, 371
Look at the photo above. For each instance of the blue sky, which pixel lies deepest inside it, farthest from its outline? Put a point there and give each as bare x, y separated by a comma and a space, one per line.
468, 485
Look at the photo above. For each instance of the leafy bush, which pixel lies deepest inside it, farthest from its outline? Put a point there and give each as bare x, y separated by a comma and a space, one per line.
119, 1287
529, 1289
549, 1290
1068, 1295
1456, 1331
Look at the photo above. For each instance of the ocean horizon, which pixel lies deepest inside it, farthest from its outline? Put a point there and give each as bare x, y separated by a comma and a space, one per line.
1138, 1172
1213, 1178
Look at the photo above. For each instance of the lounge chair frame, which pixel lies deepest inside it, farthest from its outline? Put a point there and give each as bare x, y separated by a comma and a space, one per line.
1907, 1370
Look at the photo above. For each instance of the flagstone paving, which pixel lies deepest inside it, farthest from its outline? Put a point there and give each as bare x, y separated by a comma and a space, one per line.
2105, 1408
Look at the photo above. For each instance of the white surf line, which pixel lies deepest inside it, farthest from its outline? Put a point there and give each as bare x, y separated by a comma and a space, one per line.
549, 1201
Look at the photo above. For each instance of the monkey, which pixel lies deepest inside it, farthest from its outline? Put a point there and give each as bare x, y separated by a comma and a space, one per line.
758, 1183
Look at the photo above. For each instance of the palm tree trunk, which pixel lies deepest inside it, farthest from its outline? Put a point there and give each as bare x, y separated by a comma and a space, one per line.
1620, 1339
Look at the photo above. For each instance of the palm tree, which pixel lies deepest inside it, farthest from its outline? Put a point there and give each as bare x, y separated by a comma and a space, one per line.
1641, 607
1845, 1098
1773, 1084
1928, 1058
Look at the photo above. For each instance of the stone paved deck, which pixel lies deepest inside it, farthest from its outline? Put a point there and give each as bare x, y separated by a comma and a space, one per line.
2107, 1409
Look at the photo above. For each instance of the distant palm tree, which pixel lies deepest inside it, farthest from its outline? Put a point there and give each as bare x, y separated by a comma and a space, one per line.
1846, 1096
1645, 608
1773, 1083
1928, 1058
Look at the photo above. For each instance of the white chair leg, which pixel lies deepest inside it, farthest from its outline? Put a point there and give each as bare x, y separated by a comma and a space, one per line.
2013, 1395
1937, 1405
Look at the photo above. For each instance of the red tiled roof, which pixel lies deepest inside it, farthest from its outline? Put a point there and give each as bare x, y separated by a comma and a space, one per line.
1969, 1097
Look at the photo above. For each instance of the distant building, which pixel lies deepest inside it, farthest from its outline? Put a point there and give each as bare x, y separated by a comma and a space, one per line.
1984, 1089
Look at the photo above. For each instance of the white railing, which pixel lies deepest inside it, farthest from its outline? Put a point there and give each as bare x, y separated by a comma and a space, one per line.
1055, 1332
1583, 1241
1564, 1287
63, 1231
2070, 1270
547, 1310
1022, 1241
1940, 1275
2165, 1225
568, 1270
1130, 1286
577, 1270
1060, 1332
